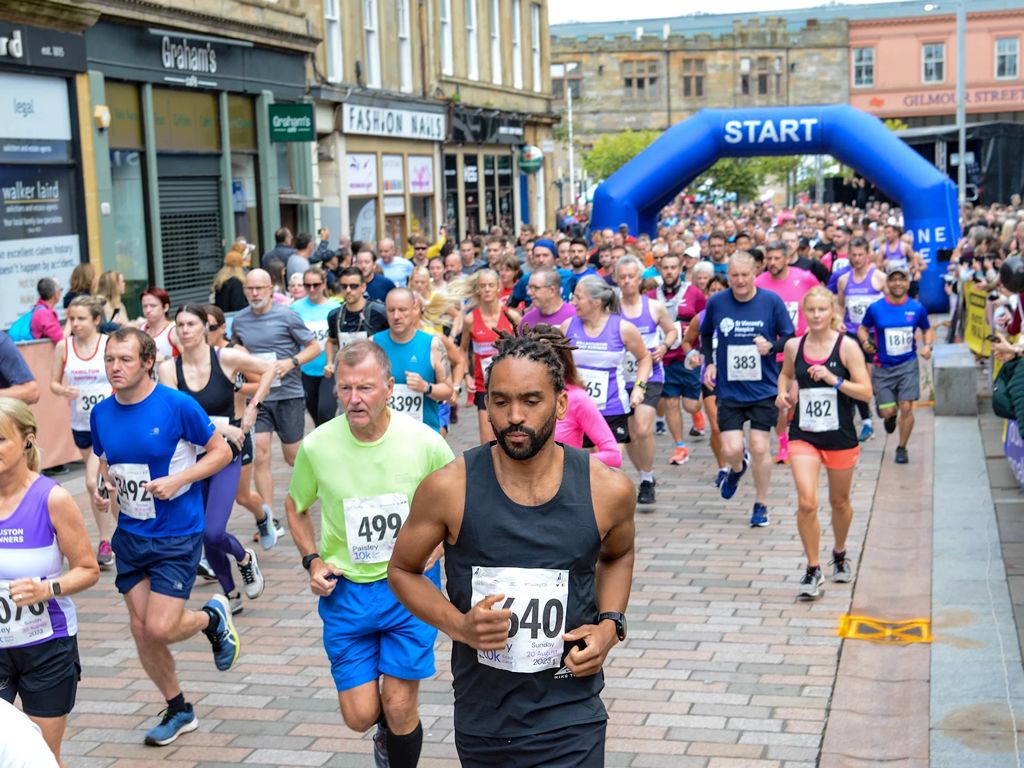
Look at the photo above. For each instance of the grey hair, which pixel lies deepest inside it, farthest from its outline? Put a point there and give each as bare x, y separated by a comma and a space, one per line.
598, 290
704, 266
548, 276
354, 353
742, 257
47, 288
627, 260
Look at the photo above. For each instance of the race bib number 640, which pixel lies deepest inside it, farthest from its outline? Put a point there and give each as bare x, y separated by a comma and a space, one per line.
538, 599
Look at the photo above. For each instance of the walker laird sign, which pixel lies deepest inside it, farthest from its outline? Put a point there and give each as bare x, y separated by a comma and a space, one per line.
291, 122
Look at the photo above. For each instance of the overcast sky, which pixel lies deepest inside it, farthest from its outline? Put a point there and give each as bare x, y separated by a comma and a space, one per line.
561, 11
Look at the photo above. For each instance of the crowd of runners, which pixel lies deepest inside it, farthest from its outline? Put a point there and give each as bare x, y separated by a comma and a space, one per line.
725, 324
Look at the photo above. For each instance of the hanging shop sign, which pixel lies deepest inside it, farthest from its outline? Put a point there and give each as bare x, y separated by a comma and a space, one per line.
291, 122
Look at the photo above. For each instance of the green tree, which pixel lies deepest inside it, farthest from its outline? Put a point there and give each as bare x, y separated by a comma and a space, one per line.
743, 176
612, 151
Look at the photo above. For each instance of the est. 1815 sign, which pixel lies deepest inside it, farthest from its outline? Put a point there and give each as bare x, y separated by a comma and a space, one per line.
291, 122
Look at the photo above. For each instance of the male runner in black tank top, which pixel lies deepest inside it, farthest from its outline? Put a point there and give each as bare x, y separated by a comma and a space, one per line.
539, 561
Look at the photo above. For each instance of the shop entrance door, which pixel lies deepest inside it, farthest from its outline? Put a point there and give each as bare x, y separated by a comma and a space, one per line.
191, 236
394, 226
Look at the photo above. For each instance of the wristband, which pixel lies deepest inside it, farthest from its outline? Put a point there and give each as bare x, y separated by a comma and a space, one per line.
430, 387
838, 384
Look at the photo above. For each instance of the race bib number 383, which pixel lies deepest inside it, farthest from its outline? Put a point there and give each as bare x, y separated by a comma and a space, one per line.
20, 626
372, 524
743, 363
538, 599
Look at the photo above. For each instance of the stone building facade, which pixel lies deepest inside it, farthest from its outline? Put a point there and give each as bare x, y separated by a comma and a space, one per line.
650, 77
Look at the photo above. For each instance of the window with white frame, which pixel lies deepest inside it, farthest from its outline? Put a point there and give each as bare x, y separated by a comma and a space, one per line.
496, 42
517, 43
933, 62
1007, 58
863, 67
332, 41
404, 47
472, 44
447, 44
538, 82
371, 44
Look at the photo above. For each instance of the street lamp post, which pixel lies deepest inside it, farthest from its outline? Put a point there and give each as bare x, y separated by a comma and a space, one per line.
572, 151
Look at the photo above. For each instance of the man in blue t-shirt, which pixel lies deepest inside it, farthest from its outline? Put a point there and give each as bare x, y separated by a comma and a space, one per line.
753, 327
890, 330
149, 439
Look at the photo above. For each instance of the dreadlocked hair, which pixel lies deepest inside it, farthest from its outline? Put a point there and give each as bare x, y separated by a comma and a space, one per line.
542, 344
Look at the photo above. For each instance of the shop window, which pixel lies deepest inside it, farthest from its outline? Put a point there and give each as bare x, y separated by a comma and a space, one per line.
567, 75
506, 199
241, 123
693, 78
423, 216
362, 217
471, 184
283, 150
640, 79
452, 214
490, 191
125, 115
186, 121
244, 199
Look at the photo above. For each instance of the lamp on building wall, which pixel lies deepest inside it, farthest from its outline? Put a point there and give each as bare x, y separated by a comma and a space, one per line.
101, 116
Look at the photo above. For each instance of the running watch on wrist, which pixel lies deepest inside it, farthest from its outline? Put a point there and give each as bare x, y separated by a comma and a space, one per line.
620, 622
308, 560
55, 588
295, 361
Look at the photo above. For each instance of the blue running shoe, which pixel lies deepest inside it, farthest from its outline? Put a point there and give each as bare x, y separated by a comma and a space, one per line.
171, 726
732, 478
268, 529
224, 638
721, 477
759, 517
866, 432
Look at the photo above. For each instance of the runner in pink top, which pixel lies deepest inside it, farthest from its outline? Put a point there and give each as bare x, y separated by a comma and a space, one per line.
582, 416
791, 284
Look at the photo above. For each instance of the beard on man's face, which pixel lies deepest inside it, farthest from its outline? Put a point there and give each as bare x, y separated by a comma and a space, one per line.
537, 439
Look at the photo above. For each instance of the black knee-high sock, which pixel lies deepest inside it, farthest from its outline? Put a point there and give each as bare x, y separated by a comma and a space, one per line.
863, 410
404, 751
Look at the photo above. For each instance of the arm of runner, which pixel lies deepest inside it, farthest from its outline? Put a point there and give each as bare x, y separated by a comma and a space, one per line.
216, 456
101, 496
238, 359
458, 363
614, 506
310, 351
73, 540
787, 374
691, 336
322, 575
441, 390
465, 344
57, 373
667, 327
927, 342
841, 293
166, 375
858, 386
606, 450
432, 519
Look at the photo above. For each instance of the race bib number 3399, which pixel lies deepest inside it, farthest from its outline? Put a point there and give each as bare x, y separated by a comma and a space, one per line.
538, 599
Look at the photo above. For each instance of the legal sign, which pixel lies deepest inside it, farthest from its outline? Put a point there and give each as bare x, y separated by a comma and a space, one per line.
291, 122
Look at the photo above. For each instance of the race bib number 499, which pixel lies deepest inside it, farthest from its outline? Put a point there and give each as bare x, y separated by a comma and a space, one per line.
538, 599
22, 625
372, 524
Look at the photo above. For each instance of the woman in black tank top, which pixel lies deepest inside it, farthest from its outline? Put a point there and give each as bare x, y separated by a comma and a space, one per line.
829, 374
208, 375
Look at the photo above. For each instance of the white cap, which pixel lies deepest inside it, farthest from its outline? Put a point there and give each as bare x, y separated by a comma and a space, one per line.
692, 252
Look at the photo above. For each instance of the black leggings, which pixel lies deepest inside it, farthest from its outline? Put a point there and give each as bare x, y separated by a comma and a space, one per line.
321, 398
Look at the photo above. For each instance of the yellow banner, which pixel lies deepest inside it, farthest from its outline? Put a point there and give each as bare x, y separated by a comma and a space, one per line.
976, 328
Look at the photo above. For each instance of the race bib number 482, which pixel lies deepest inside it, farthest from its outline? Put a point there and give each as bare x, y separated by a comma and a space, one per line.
538, 599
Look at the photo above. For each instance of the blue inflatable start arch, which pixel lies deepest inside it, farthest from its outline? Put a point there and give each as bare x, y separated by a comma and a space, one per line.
636, 193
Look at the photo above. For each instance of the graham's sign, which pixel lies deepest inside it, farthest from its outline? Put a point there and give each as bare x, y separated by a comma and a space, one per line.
184, 57
393, 123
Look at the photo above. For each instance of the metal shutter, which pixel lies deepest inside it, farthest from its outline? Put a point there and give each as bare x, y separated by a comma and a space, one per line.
190, 235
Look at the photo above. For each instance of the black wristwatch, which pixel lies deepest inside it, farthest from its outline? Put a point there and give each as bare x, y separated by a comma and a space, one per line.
308, 560
295, 361
620, 622
55, 588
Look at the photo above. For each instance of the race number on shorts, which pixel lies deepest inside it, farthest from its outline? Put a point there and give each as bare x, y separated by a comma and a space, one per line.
538, 599
22, 625
819, 411
132, 496
742, 363
372, 524
899, 341
596, 383
407, 401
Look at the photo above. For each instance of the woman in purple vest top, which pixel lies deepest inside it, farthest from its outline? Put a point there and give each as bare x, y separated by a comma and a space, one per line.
40, 525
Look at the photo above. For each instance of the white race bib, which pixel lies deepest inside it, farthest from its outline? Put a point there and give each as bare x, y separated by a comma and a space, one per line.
485, 366
857, 307
132, 496
793, 307
319, 330
630, 367
538, 599
89, 396
742, 363
899, 341
372, 524
20, 626
405, 400
819, 410
271, 358
596, 384
346, 338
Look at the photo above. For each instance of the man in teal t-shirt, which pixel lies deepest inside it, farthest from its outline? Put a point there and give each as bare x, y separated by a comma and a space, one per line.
364, 467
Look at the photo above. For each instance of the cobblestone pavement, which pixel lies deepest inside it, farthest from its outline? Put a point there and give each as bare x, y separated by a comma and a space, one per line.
723, 666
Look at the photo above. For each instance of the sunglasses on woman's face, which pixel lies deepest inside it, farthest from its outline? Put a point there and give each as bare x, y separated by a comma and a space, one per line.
214, 326
309, 286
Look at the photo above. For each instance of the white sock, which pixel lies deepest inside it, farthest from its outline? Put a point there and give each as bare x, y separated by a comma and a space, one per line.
866, 422
646, 476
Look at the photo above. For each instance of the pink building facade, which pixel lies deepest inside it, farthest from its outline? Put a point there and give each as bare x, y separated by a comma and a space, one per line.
906, 68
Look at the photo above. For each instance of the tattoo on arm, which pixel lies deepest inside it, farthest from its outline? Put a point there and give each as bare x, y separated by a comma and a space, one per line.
442, 352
